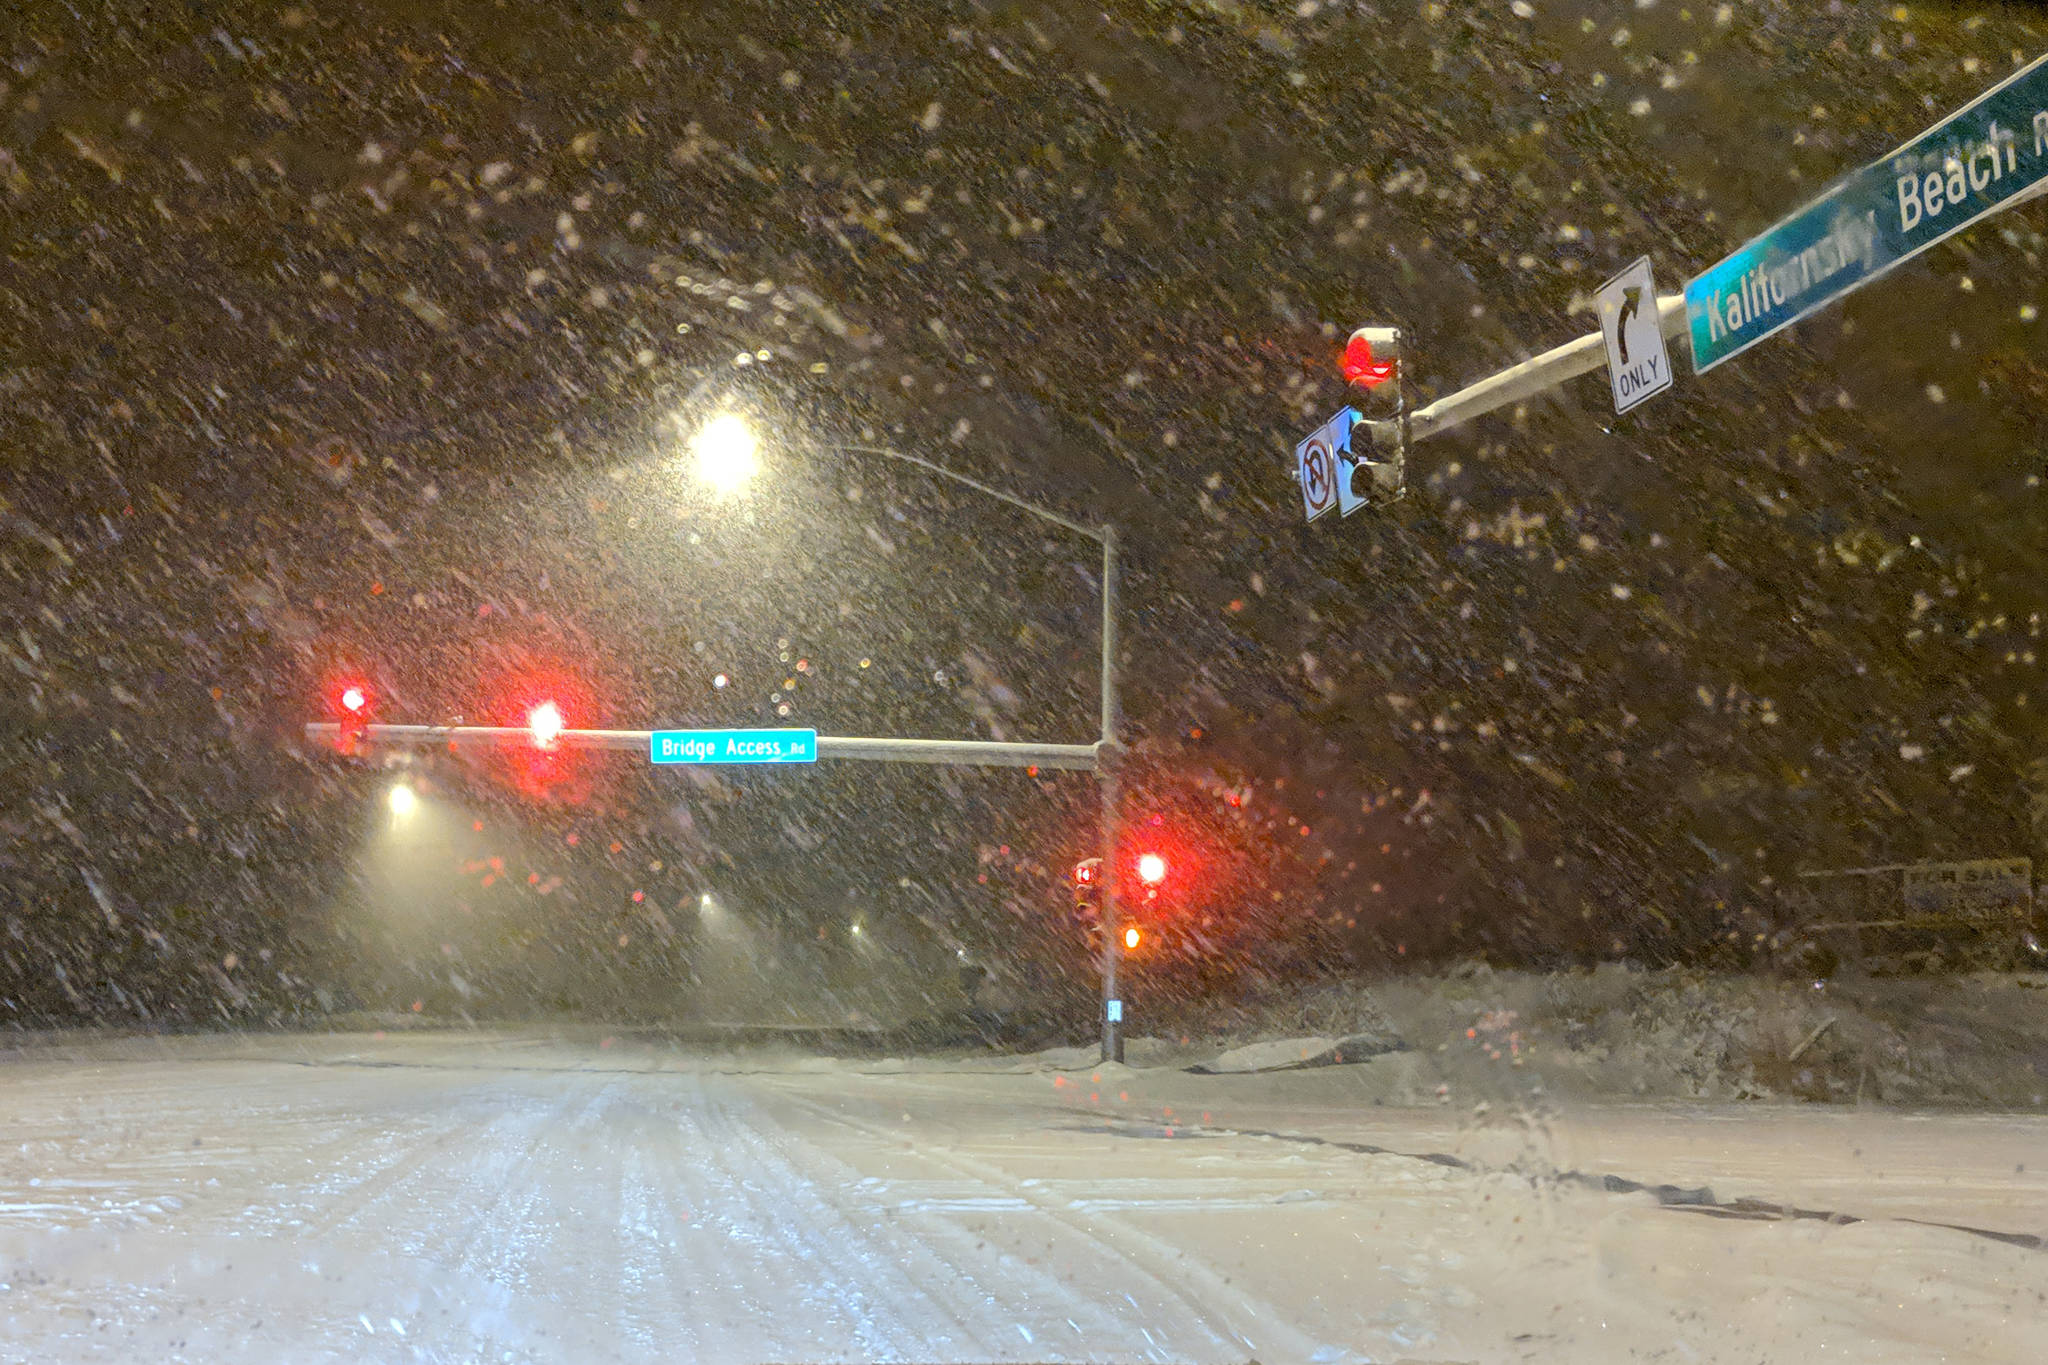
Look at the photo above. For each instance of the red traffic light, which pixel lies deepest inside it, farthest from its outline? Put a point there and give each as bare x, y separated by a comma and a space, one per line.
544, 722
350, 697
1151, 869
1088, 889
353, 706
1365, 367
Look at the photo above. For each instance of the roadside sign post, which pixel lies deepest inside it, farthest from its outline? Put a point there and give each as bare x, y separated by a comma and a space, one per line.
1109, 755
1950, 899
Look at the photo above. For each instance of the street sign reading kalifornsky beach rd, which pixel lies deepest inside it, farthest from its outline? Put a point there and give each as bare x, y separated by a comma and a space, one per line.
1973, 162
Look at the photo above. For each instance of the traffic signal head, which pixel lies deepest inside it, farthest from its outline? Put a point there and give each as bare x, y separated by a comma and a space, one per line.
1132, 937
1151, 869
544, 723
351, 703
350, 698
1372, 356
1087, 886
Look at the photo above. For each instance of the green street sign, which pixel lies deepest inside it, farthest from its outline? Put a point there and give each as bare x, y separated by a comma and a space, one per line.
733, 746
1972, 163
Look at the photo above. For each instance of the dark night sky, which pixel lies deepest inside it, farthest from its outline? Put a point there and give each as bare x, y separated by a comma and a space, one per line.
362, 337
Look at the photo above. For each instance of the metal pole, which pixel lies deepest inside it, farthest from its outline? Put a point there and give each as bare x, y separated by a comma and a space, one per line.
1531, 377
1044, 513
959, 753
1109, 759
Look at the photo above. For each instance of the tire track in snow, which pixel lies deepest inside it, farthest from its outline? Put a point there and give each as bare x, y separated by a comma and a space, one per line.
843, 1286
992, 1292
1241, 1320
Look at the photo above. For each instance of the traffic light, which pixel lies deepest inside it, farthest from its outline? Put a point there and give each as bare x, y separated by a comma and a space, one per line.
1151, 869
544, 723
1132, 938
352, 705
1376, 470
1088, 888
1372, 356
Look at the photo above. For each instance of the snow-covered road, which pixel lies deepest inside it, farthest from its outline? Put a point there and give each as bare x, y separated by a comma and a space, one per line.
514, 1197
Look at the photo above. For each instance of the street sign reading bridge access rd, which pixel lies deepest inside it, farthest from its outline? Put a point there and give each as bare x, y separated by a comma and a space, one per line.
1972, 163
733, 746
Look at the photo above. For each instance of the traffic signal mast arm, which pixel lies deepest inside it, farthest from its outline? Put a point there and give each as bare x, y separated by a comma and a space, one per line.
956, 752
1517, 382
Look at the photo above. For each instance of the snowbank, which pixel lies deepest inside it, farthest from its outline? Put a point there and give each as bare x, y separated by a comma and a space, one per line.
1289, 1054
1621, 1032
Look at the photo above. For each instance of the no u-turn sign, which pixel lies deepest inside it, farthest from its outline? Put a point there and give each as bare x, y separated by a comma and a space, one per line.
1315, 462
1325, 465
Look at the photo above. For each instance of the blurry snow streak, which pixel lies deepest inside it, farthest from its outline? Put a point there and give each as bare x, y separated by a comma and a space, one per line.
100, 896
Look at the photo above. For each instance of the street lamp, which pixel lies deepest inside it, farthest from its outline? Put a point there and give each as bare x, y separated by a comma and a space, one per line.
404, 801
726, 450
726, 447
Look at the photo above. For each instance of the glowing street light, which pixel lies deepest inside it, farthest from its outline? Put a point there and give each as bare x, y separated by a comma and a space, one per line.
726, 450
404, 801
1151, 869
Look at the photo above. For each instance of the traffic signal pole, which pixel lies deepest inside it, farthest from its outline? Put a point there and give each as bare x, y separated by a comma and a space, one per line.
1109, 756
